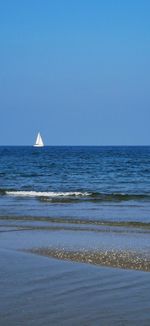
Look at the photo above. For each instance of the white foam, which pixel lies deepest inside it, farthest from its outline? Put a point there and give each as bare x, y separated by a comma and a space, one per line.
46, 194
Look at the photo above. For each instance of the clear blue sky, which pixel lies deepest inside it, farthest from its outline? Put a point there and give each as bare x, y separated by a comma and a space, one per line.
77, 70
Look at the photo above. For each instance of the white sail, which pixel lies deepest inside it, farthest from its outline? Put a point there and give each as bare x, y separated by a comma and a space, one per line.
39, 141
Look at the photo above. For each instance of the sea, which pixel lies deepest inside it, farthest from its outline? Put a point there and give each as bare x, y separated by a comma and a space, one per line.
79, 217
76, 183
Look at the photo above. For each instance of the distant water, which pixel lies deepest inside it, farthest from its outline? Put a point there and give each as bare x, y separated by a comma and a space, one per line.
109, 183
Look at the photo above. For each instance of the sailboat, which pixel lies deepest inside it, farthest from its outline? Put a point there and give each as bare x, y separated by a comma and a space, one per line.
39, 141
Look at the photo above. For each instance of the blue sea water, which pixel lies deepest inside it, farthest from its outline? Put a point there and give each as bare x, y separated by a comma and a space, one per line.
85, 183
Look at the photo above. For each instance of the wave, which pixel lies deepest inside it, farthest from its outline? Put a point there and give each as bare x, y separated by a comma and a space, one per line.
77, 195
50, 194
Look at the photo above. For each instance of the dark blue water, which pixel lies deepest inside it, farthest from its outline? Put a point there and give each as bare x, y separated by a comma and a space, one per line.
92, 183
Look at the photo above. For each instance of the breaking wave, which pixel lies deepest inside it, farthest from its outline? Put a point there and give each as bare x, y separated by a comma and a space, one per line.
50, 194
76, 195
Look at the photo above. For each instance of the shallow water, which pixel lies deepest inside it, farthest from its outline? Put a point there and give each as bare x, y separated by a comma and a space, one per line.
41, 291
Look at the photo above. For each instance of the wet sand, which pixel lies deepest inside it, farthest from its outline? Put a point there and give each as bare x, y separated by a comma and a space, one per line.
37, 290
48, 276
119, 259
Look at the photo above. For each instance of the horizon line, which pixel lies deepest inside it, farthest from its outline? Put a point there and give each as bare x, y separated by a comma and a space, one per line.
131, 145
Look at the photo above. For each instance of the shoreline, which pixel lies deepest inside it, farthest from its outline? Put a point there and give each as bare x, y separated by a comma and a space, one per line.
110, 258
45, 291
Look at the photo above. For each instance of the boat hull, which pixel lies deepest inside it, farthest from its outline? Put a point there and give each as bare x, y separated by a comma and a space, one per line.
38, 145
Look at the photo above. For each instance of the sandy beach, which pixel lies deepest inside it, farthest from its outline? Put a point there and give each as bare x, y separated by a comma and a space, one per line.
45, 286
119, 259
